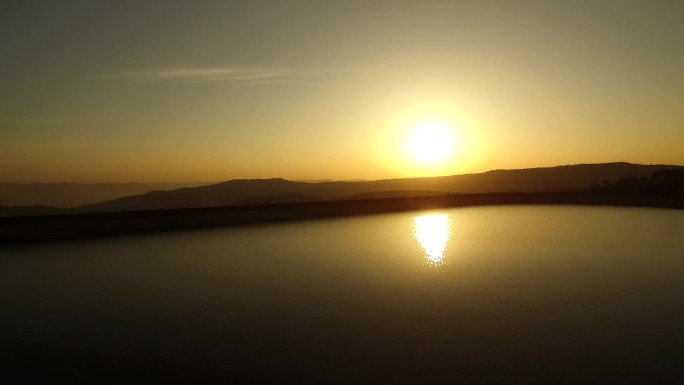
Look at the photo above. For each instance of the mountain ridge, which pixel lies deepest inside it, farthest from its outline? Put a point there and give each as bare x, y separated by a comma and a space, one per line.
69, 194
232, 192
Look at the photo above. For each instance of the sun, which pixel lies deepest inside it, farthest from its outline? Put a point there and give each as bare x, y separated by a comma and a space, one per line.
425, 140
430, 143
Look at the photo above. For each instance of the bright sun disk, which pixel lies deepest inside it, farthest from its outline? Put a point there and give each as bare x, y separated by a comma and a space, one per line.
430, 143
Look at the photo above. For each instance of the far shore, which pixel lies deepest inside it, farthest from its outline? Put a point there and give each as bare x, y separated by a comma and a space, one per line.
52, 228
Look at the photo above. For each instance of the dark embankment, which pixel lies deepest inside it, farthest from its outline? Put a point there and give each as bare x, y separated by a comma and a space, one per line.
76, 226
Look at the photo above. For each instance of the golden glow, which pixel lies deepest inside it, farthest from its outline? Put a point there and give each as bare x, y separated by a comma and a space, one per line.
430, 142
432, 232
430, 139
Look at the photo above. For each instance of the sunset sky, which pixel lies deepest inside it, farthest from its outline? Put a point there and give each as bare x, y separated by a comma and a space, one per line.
152, 91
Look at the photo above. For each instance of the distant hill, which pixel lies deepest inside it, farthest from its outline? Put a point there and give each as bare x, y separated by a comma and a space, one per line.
393, 194
25, 211
239, 191
76, 194
282, 198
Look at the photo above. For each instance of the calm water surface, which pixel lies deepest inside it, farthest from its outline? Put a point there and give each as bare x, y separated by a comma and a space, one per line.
536, 294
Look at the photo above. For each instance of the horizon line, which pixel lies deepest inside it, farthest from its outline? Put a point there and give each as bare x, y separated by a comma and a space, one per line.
328, 180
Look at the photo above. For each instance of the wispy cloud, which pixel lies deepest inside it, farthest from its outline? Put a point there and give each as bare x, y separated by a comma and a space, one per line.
235, 76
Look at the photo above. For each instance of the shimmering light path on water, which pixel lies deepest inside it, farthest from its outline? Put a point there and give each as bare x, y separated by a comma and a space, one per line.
483, 295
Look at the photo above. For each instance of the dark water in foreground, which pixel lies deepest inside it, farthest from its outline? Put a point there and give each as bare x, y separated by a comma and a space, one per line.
581, 295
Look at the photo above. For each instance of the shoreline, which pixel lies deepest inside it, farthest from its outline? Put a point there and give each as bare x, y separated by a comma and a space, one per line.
63, 227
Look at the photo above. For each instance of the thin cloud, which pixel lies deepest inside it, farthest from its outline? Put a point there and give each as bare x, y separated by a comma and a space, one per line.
235, 76
200, 74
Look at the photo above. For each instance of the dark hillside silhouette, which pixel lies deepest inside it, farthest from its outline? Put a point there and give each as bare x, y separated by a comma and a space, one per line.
20, 211
76, 194
278, 199
669, 181
393, 194
234, 192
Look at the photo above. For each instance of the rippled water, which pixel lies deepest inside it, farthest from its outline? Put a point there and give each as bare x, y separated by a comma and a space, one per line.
536, 294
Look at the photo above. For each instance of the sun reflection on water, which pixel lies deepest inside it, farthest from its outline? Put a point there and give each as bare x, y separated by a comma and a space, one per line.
432, 232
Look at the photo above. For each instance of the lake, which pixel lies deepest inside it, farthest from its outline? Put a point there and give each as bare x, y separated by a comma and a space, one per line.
500, 294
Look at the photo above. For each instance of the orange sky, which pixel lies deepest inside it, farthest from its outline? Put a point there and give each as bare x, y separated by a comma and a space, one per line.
323, 90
